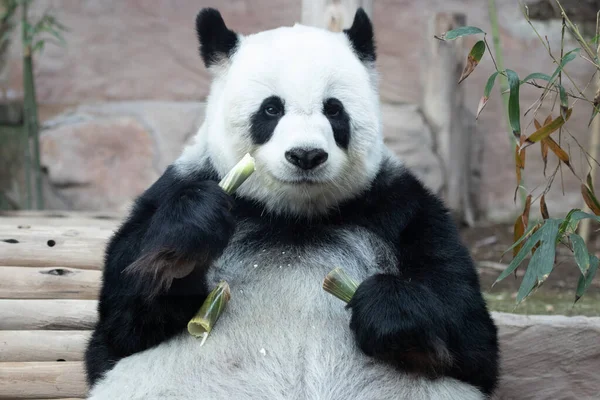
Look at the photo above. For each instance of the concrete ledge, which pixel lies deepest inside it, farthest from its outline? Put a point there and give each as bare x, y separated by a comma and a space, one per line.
549, 357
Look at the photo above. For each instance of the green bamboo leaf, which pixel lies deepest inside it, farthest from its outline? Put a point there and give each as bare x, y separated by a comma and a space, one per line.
571, 221
547, 250
478, 50
578, 215
473, 59
586, 280
525, 235
514, 108
460, 32
526, 249
582, 257
541, 264
490, 84
486, 93
536, 75
567, 58
529, 280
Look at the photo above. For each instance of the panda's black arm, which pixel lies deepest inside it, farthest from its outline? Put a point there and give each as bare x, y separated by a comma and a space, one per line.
429, 315
155, 264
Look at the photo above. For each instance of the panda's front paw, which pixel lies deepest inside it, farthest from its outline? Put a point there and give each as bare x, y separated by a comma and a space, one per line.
190, 229
401, 323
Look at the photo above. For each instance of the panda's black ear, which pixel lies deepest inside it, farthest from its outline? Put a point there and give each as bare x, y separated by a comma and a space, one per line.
217, 42
362, 37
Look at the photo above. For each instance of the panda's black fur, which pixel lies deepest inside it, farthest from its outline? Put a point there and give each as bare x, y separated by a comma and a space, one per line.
424, 315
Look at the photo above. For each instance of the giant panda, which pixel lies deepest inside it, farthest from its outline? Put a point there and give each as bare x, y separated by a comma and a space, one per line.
326, 193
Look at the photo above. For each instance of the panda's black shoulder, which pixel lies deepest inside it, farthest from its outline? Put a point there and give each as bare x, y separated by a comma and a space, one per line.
412, 219
397, 199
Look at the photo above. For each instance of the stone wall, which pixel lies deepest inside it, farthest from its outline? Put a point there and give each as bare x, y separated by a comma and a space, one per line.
140, 51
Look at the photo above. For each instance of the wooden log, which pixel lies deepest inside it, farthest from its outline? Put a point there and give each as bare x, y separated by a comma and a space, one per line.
49, 283
47, 314
102, 215
27, 346
16, 231
47, 251
49, 380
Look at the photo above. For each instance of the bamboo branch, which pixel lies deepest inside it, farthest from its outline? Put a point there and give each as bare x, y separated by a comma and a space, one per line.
30, 108
26, 147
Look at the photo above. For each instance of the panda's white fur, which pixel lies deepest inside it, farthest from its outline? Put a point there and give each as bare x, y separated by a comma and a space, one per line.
303, 65
281, 336
311, 354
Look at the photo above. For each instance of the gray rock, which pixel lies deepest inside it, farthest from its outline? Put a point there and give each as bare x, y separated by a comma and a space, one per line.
100, 157
549, 357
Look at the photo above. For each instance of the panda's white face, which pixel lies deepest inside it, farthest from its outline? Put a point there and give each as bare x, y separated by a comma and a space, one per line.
306, 107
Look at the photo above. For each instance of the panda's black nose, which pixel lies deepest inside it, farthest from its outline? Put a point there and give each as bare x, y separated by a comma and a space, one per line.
306, 158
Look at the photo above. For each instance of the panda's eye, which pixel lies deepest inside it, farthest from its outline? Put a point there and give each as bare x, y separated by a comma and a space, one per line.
272, 110
332, 108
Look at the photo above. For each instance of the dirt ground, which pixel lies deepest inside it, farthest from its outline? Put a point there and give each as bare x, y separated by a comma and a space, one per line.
487, 244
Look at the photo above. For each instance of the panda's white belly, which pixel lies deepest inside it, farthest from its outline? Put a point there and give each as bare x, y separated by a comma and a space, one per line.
280, 337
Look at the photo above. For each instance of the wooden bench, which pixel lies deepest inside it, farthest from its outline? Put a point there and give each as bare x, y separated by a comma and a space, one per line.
50, 270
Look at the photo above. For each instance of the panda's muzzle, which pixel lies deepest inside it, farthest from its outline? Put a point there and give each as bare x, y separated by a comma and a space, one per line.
306, 159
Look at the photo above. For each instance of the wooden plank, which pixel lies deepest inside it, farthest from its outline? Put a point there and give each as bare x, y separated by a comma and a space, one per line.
47, 314
25, 221
63, 214
49, 283
50, 380
42, 251
23, 346
16, 231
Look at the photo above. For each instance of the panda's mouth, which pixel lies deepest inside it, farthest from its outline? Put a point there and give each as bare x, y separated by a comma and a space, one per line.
300, 181
310, 180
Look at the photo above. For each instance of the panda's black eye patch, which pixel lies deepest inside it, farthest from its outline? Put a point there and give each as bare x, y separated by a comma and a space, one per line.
332, 108
264, 121
339, 119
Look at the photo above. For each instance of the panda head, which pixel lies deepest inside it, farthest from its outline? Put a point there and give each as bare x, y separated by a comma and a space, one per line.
303, 101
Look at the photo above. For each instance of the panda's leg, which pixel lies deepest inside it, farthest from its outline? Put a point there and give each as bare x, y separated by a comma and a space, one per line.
154, 273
